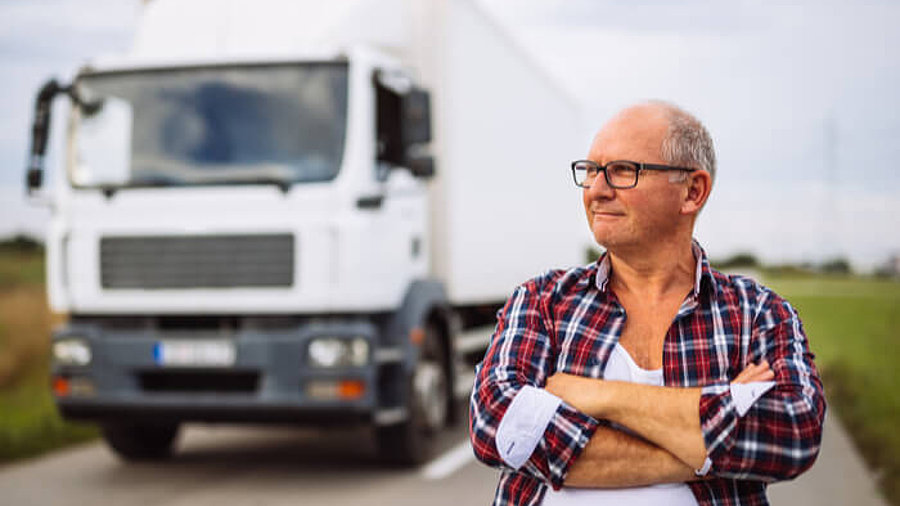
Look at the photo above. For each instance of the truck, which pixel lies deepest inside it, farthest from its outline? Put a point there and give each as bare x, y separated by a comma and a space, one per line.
297, 212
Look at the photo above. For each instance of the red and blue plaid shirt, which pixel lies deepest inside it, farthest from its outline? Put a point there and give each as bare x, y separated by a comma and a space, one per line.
569, 321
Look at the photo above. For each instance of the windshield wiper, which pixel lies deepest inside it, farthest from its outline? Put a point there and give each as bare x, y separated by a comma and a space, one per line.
154, 179
283, 184
145, 181
161, 180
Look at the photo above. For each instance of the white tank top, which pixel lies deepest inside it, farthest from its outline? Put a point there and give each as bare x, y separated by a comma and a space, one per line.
622, 367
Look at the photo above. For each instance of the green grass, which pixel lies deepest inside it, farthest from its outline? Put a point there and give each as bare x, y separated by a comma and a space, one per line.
29, 422
20, 269
853, 326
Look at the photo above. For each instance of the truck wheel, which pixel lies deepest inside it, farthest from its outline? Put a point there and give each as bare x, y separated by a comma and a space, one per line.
138, 442
428, 391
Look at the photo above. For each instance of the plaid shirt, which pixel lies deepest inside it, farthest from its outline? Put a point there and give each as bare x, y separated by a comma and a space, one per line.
568, 321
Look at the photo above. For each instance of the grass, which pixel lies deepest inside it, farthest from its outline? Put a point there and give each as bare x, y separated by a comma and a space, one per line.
853, 325
29, 424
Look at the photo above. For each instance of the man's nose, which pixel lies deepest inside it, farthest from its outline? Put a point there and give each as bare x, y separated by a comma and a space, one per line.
600, 188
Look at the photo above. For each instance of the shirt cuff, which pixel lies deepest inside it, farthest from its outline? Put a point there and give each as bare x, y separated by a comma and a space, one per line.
703, 471
524, 423
745, 394
720, 411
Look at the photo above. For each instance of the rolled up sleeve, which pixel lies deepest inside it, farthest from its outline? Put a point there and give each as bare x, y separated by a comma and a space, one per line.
779, 436
520, 356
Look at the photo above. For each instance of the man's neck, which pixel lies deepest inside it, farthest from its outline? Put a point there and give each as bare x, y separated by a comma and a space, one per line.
654, 273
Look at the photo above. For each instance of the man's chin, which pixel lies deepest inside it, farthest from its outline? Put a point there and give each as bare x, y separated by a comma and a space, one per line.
604, 239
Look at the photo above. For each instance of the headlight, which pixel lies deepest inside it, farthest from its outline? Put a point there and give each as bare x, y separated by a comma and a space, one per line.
72, 352
334, 352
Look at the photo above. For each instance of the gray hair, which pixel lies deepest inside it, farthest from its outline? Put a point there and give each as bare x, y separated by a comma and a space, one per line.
687, 142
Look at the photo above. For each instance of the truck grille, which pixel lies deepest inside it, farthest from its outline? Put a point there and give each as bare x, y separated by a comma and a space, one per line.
223, 261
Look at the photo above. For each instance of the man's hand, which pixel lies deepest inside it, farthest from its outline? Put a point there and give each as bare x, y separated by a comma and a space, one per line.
755, 372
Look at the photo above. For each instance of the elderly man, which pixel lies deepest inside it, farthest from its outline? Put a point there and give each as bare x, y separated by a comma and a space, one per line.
647, 377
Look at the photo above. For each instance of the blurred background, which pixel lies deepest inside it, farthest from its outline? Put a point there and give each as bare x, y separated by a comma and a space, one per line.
801, 100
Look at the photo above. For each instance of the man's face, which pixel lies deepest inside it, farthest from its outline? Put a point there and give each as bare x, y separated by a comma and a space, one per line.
639, 216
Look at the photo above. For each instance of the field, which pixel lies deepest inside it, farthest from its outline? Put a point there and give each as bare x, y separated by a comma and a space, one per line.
853, 326
29, 424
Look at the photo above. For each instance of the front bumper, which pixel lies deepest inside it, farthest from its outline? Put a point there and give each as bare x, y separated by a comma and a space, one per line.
266, 382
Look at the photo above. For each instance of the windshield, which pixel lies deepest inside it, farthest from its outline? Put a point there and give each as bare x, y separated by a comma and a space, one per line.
227, 125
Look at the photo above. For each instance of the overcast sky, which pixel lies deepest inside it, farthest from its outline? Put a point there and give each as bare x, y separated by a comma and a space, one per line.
801, 99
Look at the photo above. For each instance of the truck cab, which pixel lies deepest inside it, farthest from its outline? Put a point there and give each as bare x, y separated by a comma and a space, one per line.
297, 212
246, 241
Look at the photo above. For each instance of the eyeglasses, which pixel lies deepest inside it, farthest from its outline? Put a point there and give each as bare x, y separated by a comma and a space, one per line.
620, 174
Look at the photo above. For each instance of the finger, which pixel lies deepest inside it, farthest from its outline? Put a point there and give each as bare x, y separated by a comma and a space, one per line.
763, 373
742, 377
746, 374
755, 372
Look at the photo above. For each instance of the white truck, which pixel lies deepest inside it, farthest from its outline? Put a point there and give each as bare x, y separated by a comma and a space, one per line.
298, 212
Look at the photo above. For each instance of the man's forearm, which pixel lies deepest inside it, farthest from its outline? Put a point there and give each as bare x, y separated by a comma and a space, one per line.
614, 459
666, 416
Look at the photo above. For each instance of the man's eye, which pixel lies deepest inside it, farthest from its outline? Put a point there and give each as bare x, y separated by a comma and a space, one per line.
621, 169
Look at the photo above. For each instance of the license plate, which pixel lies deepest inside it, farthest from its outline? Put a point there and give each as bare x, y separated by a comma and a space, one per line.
217, 353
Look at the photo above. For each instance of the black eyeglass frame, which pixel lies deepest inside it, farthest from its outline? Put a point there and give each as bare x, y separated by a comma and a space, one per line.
640, 166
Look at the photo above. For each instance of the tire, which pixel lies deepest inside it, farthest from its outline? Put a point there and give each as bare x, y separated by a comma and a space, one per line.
140, 442
429, 396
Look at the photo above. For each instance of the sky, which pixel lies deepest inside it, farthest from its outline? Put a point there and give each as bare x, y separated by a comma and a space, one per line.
800, 97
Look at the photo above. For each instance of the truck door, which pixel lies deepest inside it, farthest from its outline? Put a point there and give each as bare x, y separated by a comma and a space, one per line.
401, 200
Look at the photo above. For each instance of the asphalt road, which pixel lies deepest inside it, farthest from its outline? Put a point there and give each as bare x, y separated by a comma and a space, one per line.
221, 465
269, 466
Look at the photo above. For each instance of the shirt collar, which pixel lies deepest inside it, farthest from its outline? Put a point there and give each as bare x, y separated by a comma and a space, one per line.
703, 270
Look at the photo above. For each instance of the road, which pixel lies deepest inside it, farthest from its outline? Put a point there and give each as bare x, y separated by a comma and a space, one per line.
268, 466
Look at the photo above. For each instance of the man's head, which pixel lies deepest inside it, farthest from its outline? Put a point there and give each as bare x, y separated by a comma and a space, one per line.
664, 203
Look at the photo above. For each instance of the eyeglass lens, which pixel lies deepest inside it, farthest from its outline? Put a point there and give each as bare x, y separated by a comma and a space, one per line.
618, 174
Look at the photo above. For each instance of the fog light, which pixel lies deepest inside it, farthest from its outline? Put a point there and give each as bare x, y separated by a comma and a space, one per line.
71, 351
81, 387
325, 390
60, 386
74, 386
334, 352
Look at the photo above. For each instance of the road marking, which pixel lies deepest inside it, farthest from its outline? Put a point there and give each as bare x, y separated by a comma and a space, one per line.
448, 463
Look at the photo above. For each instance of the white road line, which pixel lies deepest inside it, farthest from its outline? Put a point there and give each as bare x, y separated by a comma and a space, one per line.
448, 463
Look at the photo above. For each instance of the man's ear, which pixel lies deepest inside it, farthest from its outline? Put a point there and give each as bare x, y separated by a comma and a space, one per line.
699, 184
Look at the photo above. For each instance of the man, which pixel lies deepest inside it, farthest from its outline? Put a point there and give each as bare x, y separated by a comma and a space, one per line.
646, 377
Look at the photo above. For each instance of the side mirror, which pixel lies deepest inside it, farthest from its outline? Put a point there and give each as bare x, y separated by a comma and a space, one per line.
39, 132
421, 166
416, 117
34, 180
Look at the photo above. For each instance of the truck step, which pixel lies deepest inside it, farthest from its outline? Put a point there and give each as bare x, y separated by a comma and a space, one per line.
474, 340
464, 381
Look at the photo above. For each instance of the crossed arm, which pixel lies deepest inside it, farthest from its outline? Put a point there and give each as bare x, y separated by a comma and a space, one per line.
666, 417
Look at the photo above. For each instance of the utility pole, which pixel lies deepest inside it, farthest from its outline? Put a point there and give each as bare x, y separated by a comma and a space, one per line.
830, 221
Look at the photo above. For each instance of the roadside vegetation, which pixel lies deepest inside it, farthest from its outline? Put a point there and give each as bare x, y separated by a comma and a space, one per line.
29, 424
853, 326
